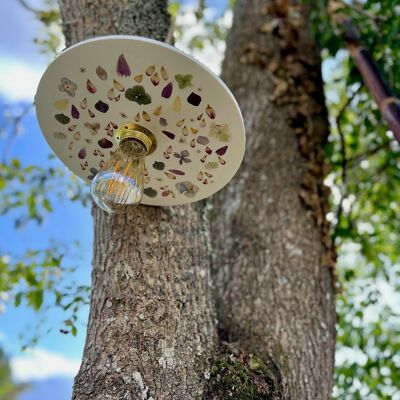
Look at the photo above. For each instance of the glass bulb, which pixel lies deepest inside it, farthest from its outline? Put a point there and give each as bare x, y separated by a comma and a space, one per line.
119, 185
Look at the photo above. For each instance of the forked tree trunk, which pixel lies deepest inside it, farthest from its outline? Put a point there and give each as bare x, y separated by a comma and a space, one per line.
272, 257
151, 326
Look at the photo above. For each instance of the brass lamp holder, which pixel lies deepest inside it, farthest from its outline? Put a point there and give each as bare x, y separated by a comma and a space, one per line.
138, 133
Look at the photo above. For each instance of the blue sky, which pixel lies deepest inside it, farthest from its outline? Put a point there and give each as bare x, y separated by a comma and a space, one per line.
21, 66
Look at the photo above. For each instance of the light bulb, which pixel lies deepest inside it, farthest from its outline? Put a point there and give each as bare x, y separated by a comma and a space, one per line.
119, 185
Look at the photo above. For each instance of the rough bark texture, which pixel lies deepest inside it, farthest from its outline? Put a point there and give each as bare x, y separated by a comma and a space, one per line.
272, 254
151, 325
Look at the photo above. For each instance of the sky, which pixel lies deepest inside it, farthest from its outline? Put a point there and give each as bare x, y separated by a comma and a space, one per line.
21, 66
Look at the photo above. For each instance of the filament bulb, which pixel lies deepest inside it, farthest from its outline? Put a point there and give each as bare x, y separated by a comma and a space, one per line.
119, 185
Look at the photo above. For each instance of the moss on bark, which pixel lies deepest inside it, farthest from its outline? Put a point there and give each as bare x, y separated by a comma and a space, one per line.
240, 376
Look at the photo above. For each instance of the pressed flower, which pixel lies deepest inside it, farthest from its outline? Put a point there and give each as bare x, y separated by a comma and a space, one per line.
183, 157
184, 81
138, 95
187, 188
68, 87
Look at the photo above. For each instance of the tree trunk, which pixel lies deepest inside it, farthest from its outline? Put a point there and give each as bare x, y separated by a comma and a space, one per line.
272, 255
151, 326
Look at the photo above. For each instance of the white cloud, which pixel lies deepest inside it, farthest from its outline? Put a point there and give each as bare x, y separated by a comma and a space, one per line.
18, 80
39, 364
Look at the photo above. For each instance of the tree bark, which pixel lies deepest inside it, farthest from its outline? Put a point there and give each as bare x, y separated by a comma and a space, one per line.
272, 255
151, 324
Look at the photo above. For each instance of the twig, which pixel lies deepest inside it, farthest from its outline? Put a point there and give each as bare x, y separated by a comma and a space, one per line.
371, 152
343, 152
28, 7
385, 99
12, 135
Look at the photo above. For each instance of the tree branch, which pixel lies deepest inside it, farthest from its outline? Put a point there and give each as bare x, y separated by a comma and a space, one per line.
384, 97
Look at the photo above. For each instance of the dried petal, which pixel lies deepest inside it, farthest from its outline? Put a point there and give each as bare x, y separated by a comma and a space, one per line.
90, 87
194, 99
157, 111
202, 140
137, 118
200, 176
84, 104
59, 135
164, 73
138, 78
158, 165
167, 91
105, 143
111, 94
61, 105
91, 114
170, 175
74, 112
155, 80
77, 135
82, 153
208, 150
118, 86
146, 116
180, 122
150, 192
194, 130
101, 73
193, 143
177, 105
123, 67
221, 161
185, 131
150, 70
221, 151
169, 134
210, 112
177, 172
211, 165
62, 118
163, 122
101, 106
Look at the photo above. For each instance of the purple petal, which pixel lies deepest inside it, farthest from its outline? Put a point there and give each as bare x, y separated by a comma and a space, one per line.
222, 150
194, 99
74, 112
102, 107
167, 91
123, 67
82, 154
169, 134
105, 143
177, 172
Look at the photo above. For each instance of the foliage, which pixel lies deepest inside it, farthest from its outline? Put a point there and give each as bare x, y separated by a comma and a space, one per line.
365, 181
8, 389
